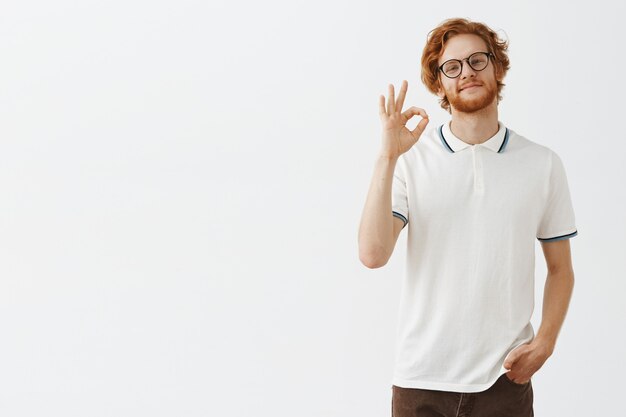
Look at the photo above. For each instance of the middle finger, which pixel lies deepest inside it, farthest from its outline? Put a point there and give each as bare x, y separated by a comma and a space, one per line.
402, 95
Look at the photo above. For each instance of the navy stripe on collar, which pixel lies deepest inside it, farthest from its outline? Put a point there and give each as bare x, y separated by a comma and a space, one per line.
443, 140
505, 141
449, 148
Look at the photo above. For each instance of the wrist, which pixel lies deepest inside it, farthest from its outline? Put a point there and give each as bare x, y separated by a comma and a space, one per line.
547, 344
388, 157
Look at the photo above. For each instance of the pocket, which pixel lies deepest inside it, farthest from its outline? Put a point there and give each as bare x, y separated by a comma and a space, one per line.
510, 381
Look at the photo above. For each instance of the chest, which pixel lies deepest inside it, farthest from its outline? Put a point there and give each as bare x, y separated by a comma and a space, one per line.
478, 182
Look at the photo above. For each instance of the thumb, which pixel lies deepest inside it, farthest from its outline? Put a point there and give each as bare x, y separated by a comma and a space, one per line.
507, 366
509, 362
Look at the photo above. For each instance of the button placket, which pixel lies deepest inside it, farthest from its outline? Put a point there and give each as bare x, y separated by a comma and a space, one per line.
478, 169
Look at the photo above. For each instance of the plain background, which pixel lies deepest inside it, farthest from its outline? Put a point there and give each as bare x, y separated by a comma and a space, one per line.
181, 185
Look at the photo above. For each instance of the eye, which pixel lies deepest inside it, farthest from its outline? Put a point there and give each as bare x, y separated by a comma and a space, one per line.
477, 60
451, 67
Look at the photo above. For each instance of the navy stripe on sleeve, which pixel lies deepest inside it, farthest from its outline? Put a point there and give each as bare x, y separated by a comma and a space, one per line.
400, 216
552, 239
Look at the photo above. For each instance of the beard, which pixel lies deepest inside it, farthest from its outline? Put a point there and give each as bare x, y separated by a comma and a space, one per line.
474, 101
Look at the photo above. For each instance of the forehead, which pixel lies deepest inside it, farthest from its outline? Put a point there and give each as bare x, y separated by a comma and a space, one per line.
462, 46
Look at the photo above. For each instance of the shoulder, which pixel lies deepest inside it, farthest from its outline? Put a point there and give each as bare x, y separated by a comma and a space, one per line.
522, 142
538, 152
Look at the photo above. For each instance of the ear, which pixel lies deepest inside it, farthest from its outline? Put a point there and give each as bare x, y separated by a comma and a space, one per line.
498, 70
440, 92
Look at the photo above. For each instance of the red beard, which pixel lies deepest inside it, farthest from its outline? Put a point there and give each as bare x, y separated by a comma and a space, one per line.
473, 101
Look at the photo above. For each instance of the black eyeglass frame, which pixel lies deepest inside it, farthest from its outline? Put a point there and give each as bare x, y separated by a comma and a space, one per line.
460, 61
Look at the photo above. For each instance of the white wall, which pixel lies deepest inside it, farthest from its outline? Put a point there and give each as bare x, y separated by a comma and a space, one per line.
181, 185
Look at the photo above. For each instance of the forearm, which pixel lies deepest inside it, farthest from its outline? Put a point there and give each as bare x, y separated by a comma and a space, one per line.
556, 298
376, 228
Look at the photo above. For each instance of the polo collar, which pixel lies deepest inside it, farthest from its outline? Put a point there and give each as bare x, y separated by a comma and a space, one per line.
496, 143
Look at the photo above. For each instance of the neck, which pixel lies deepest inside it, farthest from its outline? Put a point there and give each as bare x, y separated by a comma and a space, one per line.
476, 127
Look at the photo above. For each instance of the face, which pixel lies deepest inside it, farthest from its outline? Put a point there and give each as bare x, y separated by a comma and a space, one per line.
471, 99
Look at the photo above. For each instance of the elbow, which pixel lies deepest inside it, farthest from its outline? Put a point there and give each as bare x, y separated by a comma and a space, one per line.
563, 272
372, 259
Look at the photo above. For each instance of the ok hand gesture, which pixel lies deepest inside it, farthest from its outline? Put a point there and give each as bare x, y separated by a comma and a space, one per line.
397, 139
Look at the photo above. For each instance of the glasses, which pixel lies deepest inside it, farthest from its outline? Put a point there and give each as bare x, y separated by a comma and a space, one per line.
477, 61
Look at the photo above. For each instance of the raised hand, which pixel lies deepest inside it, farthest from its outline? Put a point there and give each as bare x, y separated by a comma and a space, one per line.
397, 139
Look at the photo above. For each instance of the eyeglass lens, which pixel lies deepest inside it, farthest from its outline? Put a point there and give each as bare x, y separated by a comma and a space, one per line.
477, 61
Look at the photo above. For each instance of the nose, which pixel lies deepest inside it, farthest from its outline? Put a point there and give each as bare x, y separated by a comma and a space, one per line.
466, 70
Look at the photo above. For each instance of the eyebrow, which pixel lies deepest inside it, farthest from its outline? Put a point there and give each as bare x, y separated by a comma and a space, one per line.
458, 59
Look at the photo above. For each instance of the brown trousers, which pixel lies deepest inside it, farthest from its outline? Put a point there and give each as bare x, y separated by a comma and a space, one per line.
504, 398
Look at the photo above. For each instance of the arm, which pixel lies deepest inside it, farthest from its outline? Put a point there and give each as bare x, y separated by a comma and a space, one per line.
524, 361
379, 229
557, 292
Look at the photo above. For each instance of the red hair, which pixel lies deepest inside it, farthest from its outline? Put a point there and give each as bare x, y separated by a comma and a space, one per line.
435, 45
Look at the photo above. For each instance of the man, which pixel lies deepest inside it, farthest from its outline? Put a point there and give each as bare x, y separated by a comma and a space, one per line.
475, 195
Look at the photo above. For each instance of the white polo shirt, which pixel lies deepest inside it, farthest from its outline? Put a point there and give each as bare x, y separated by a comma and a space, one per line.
473, 214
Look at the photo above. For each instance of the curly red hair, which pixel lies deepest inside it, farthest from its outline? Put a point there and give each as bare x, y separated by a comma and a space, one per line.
436, 42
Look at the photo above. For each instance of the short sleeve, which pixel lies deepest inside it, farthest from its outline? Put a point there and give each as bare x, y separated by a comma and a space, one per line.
557, 221
399, 200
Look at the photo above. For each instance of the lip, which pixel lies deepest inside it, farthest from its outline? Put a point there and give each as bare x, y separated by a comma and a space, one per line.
471, 86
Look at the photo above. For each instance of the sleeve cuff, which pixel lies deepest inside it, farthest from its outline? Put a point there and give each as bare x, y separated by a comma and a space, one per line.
553, 239
400, 216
